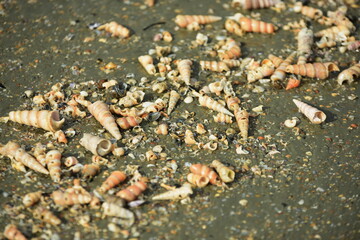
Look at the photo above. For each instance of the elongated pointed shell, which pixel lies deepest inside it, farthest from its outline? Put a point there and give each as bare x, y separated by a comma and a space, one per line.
31, 199
333, 32
208, 102
128, 122
313, 70
292, 83
233, 27
97, 145
242, 119
132, 192
179, 193
184, 67
313, 114
349, 74
53, 162
305, 40
254, 4
214, 66
279, 74
70, 198
90, 170
13, 150
225, 173
115, 29
48, 120
252, 25
114, 179
46, 215
12, 233
205, 171
198, 180
101, 112
174, 98
147, 62
185, 20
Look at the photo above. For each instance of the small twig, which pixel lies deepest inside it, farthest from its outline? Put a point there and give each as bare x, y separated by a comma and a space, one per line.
153, 24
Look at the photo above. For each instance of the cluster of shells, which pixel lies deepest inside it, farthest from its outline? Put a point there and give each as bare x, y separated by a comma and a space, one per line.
175, 82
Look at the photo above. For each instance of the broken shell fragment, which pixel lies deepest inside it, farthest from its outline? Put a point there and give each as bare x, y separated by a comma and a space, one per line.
242, 119
32, 198
128, 122
189, 137
70, 161
11, 232
225, 173
223, 118
290, 123
313, 114
197, 180
147, 62
177, 194
162, 129
349, 74
90, 170
97, 145
46, 215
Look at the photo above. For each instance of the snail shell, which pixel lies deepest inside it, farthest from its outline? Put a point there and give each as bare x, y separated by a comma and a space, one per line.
225, 173
223, 118
128, 122
132, 192
214, 66
90, 170
333, 32
70, 161
313, 114
310, 12
174, 98
242, 119
147, 62
254, 4
189, 137
184, 67
292, 83
205, 171
349, 74
70, 198
179, 193
97, 145
115, 29
114, 179
46, 215
279, 73
32, 198
185, 20
252, 25
208, 102
53, 162
11, 232
198, 180
233, 27
40, 153
313, 70
162, 129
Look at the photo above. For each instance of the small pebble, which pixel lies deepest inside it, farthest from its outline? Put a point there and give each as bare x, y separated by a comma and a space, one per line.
243, 202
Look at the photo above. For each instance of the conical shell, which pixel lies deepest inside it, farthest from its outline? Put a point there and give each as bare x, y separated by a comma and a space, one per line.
292, 83
254, 4
198, 180
114, 179
176, 194
313, 114
232, 102
40, 153
231, 50
53, 162
185, 20
333, 32
31, 199
48, 120
132, 192
205, 171
349, 74
242, 119
115, 29
260, 72
189, 137
46, 215
97, 145
279, 74
90, 170
310, 12
70, 198
225, 173
13, 150
184, 67
275, 60
214, 66
305, 41
233, 27
113, 208
12, 233
128, 122
232, 63
208, 102
101, 112
252, 25
223, 118
313, 70
174, 98
147, 62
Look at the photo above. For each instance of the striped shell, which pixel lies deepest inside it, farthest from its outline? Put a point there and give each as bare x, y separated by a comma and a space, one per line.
114, 179
205, 171
97, 145
185, 20
313, 114
252, 25
214, 66
53, 163
184, 67
279, 74
313, 70
115, 29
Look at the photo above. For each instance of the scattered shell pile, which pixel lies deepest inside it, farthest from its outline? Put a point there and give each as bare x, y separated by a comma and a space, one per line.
122, 115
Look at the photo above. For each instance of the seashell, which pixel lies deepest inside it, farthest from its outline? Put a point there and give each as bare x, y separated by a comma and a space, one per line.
279, 74
151, 156
222, 118
232, 102
126, 112
76, 168
252, 25
174, 98
205, 171
60, 136
162, 69
217, 87
90, 170
201, 39
162, 51
200, 129
114, 207
153, 107
18, 166
267, 68
189, 137
132, 192
32, 198
46, 215
314, 115
254, 4
199, 181
232, 63
159, 87
102, 114
48, 120
114, 179
162, 129
53, 162
290, 123
11, 232
40, 154
39, 100
313, 70
167, 37
310, 12
150, 3
333, 32
292, 83
118, 151
230, 50
166, 60
97, 145
325, 43
184, 67
132, 98
275, 60
69, 198
349, 74
233, 27
305, 41
70, 161
352, 46
242, 119
184, 20
95, 202
115, 29
226, 174
338, 18
208, 102
176, 194
99, 160
212, 146
13, 150
128, 122
147, 62
214, 66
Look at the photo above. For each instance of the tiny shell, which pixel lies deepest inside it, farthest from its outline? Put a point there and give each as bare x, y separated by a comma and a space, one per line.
179, 193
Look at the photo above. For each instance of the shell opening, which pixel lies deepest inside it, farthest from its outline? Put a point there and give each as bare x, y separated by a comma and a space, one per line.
103, 147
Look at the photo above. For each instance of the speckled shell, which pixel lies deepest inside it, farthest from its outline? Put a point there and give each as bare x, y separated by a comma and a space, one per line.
147, 62
214, 66
310, 12
185, 20
32, 198
46, 215
333, 32
198, 180
233, 27
256, 4
226, 174
174, 98
293, 83
205, 171
114, 179
132, 192
184, 67
13, 150
313, 70
48, 120
279, 74
208, 102
97, 145
90, 170
313, 114
252, 25
349, 74
101, 112
223, 118
70, 198
179, 193
12, 233
53, 163
115, 29
242, 119
128, 122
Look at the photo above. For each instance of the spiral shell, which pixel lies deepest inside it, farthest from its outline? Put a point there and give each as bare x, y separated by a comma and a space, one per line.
70, 161
114, 207
275, 60
217, 87
132, 192
334, 33
118, 151
232, 102
162, 129
313, 114
205, 171
132, 98
254, 4
147, 62
40, 153
179, 193
97, 145
32, 198
199, 181
189, 137
53, 162
252, 25
242, 119
208, 102
174, 98
230, 50
115, 29
349, 74
114, 179
46, 215
11, 232
69, 198
223, 118
279, 74
184, 20
338, 18
13, 150
156, 106
99, 160
214, 66
266, 69
313, 70
128, 122
232, 63
225, 173
90, 170
48, 120
167, 37
310, 12
292, 83
233, 27
102, 114
184, 67
60, 137
151, 156
325, 42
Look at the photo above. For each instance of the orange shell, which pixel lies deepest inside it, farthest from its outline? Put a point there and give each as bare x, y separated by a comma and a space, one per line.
313, 70
128, 122
205, 171
251, 25
132, 192
114, 179
11, 232
292, 83
185, 20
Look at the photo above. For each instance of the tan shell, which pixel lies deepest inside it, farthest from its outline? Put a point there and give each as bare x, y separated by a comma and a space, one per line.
185, 20
132, 98
184, 67
232, 102
179, 193
208, 102
254, 4
225, 173
167, 37
48, 120
313, 70
333, 32
115, 29
46, 215
69, 198
305, 40
252, 25
132, 192
349, 74
162, 129
275, 60
313, 114
214, 66
279, 74
147, 62
223, 118
198, 180
189, 137
266, 69
12, 233
128, 122
90, 170
174, 98
326, 43
114, 179
310, 12
53, 162
101, 112
97, 145
232, 63
40, 153
217, 87
231, 50
205, 171
70, 161
114, 207
242, 119
32, 198
233, 27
